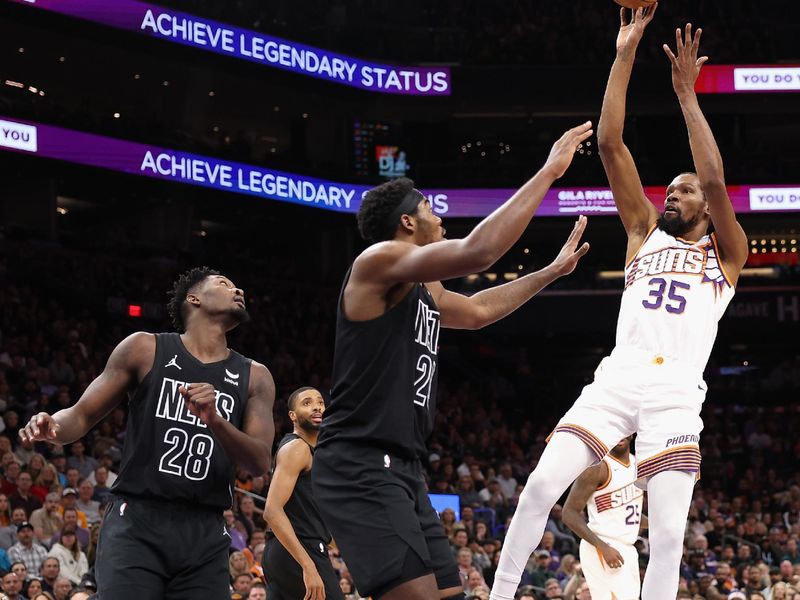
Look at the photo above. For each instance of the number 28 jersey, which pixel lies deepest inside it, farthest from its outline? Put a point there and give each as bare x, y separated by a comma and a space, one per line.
676, 291
169, 454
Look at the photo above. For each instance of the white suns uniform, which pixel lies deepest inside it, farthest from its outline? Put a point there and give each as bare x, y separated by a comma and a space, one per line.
615, 511
652, 383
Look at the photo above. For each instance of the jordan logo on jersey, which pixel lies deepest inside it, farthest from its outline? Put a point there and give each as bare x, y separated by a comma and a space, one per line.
695, 260
173, 363
617, 498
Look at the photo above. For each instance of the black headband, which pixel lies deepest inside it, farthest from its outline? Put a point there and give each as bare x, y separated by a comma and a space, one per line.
407, 206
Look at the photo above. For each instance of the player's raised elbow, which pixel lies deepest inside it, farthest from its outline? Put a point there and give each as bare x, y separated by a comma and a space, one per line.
609, 145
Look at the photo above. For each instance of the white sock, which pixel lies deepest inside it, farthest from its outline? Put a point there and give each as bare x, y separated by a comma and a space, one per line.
563, 460
669, 495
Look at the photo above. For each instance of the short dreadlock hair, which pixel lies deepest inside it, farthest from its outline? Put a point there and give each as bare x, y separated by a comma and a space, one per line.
180, 289
377, 205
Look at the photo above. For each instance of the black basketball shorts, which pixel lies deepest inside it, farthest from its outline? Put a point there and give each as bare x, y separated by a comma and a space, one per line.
377, 507
152, 550
285, 576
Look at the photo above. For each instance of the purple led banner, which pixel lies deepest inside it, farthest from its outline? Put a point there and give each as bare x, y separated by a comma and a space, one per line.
184, 167
182, 28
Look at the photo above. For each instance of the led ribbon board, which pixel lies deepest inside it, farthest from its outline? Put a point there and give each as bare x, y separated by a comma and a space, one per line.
182, 28
92, 150
733, 79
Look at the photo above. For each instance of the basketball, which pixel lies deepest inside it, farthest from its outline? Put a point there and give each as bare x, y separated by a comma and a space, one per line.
634, 4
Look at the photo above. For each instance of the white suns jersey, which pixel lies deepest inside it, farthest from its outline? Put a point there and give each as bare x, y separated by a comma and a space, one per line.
615, 509
676, 291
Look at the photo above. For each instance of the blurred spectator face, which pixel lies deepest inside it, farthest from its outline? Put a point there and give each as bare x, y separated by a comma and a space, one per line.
723, 570
467, 514
744, 552
460, 538
474, 579
465, 483
247, 506
101, 476
465, 558
552, 589
243, 583
786, 569
548, 539
12, 584
3, 504
754, 576
258, 593
583, 592
77, 448
18, 516
5, 445
258, 537
51, 502
21, 570
229, 517
505, 471
86, 490
50, 569
12, 471
345, 586
69, 501
70, 516
34, 587
24, 482
25, 536
728, 553
701, 543
59, 462
73, 476
448, 515
61, 588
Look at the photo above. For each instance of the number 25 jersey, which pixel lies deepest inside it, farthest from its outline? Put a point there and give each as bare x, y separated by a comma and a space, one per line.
676, 291
169, 454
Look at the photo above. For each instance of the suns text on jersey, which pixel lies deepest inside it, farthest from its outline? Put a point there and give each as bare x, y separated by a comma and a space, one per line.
617, 498
171, 406
667, 260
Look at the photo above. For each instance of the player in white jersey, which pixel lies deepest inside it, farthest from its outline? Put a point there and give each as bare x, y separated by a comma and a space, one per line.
679, 279
608, 491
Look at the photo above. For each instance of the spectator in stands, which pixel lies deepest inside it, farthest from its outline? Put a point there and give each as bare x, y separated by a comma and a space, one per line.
74, 564
33, 588
547, 543
89, 507
12, 585
51, 569
237, 565
791, 554
5, 511
466, 492
79, 460
538, 573
258, 592
11, 471
69, 500
723, 578
28, 551
755, 583
564, 539
238, 539
508, 484
464, 563
552, 589
102, 490
62, 589
46, 520
242, 584
73, 476
23, 498
8, 535
70, 517
91, 548
21, 570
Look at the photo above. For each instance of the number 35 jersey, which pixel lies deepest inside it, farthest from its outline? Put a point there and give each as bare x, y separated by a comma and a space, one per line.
676, 291
169, 454
615, 509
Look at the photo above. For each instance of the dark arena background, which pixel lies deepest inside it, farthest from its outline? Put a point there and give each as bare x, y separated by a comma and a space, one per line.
139, 140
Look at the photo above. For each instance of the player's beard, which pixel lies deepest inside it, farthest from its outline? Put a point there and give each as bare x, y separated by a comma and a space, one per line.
306, 424
676, 226
240, 315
